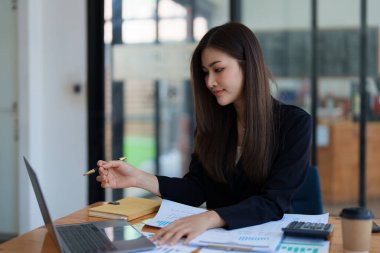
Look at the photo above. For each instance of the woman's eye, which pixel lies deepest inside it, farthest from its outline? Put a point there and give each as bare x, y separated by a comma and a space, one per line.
218, 70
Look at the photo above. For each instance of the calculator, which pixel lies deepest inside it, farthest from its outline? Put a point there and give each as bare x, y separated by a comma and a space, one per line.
308, 229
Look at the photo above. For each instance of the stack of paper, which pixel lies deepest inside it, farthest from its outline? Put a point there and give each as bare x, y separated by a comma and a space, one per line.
171, 211
265, 237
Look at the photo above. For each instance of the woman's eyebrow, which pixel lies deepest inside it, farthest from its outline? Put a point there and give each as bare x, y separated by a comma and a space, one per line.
212, 64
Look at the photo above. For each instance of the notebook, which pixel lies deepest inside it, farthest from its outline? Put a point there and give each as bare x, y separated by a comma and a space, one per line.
101, 236
128, 208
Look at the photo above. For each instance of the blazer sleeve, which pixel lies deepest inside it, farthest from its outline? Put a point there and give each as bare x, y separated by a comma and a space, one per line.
286, 176
188, 190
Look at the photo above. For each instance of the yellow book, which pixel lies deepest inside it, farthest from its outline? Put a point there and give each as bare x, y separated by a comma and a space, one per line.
129, 209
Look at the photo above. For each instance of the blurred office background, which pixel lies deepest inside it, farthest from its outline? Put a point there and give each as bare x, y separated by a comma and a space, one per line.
67, 99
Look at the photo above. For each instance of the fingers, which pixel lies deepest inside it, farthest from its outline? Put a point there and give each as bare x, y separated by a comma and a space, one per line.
103, 177
188, 228
102, 171
112, 164
190, 237
176, 237
109, 164
158, 235
103, 180
171, 234
166, 235
100, 163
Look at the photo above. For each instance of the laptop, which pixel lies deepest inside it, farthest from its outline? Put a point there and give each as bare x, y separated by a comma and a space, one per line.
100, 236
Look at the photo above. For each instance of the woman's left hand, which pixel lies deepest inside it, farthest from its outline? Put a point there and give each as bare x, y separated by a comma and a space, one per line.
188, 227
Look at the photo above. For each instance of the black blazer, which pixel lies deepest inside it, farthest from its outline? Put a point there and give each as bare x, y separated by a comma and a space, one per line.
239, 202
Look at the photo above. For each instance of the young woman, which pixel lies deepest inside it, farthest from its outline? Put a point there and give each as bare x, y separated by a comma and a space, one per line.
251, 152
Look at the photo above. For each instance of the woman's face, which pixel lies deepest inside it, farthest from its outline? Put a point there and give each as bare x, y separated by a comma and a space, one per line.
223, 76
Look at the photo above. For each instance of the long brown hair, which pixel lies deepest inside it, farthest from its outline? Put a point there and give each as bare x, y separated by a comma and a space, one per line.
215, 141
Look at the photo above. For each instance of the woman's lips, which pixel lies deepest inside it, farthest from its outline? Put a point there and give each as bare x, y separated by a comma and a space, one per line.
217, 93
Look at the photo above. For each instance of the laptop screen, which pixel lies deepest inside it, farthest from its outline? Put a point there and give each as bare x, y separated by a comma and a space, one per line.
41, 202
118, 235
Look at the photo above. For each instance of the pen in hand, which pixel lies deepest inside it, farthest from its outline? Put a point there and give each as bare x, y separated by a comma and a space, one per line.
92, 171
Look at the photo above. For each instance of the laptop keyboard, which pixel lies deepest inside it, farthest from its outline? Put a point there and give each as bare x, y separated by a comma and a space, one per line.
85, 238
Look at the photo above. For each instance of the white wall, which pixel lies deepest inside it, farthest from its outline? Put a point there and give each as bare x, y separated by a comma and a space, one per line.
8, 118
53, 128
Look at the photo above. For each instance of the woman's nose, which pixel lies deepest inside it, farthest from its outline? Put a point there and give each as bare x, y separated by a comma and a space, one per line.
210, 81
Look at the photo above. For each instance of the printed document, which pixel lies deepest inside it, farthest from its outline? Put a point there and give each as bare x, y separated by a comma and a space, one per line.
179, 247
171, 211
265, 237
292, 244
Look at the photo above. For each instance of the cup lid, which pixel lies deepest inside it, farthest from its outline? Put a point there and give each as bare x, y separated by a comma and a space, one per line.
360, 213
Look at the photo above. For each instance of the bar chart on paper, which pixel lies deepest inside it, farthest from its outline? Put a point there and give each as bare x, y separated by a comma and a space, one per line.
162, 223
253, 238
289, 247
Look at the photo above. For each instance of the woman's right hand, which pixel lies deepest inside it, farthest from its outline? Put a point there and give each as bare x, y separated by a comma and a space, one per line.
116, 174
119, 174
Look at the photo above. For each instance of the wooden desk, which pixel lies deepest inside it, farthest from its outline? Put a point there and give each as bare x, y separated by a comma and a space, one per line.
38, 239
